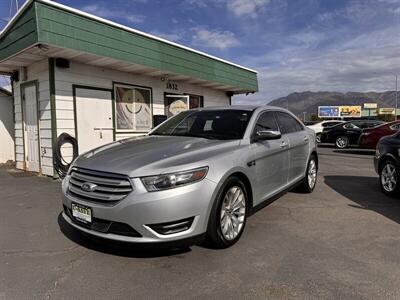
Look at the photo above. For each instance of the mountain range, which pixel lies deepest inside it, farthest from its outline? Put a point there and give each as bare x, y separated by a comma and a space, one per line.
308, 101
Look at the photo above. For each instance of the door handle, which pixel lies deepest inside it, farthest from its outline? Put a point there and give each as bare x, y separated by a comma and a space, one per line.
284, 145
306, 138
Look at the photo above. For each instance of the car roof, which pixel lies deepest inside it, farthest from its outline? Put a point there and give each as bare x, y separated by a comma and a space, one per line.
241, 107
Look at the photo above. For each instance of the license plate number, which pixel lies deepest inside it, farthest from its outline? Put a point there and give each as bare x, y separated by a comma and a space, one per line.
82, 213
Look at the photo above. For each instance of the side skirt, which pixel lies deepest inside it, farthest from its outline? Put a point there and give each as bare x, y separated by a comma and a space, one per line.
268, 201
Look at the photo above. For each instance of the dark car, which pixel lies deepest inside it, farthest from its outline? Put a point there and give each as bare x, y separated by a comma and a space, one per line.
348, 133
387, 163
371, 136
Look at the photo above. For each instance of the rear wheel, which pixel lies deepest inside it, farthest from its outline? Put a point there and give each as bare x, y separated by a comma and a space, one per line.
310, 180
388, 177
228, 216
342, 142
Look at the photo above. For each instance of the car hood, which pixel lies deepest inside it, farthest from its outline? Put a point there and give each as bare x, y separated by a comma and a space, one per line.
152, 155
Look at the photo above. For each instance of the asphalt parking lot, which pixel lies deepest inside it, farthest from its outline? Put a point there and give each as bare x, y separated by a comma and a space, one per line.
342, 242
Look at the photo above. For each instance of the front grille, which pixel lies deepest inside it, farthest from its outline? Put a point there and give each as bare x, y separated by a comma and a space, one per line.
104, 226
105, 188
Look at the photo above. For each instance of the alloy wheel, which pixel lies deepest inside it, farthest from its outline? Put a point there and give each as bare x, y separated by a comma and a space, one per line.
389, 177
312, 174
342, 142
233, 210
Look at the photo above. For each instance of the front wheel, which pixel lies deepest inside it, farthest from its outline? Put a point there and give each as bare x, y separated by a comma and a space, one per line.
342, 142
388, 176
228, 215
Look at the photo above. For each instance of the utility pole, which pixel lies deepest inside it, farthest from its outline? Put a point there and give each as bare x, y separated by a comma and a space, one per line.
395, 115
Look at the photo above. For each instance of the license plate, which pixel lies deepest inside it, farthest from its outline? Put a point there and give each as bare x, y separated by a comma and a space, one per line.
82, 213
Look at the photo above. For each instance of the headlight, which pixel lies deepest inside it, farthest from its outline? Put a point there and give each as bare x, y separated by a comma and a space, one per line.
173, 180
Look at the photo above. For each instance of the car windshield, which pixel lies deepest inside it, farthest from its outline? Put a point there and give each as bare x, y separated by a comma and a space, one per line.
226, 124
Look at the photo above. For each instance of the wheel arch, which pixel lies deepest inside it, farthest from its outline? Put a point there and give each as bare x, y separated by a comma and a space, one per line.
384, 159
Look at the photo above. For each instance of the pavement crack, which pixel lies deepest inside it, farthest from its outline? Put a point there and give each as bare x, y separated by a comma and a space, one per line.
64, 273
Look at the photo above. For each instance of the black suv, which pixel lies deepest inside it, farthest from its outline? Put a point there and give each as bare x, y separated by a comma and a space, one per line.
387, 162
346, 134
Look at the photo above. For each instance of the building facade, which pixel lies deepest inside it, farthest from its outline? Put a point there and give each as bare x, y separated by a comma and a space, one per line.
100, 81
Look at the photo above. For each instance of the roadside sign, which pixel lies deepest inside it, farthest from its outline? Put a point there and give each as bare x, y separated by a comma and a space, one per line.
370, 105
328, 111
386, 111
350, 111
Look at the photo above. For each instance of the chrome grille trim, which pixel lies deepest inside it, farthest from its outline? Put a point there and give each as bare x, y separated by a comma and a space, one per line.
109, 187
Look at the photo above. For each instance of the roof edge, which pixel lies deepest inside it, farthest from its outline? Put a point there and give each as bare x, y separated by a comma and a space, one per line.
7, 92
114, 24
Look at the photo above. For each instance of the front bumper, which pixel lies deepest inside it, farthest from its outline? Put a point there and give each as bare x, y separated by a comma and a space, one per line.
141, 209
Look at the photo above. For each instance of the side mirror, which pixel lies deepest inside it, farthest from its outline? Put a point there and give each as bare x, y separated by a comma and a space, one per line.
264, 135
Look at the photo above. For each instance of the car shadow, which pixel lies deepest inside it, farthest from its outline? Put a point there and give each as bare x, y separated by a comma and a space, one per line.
366, 193
355, 151
114, 247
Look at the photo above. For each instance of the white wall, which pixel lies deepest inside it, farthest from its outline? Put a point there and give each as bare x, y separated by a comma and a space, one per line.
6, 129
81, 74
37, 71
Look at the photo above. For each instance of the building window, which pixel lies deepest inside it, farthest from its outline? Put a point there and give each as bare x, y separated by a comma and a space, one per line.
174, 103
133, 108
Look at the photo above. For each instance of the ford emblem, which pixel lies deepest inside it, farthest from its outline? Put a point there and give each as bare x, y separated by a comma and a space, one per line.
89, 187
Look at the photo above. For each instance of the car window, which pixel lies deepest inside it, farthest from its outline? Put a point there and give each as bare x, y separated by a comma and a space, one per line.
395, 127
350, 126
288, 124
329, 124
266, 121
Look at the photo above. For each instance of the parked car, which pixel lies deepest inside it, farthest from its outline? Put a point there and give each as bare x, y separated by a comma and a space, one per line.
198, 175
370, 137
318, 127
387, 162
348, 133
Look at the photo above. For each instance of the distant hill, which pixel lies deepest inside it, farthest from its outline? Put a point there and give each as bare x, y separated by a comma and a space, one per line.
309, 101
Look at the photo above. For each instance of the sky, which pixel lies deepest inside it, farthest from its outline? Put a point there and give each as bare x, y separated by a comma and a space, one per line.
295, 45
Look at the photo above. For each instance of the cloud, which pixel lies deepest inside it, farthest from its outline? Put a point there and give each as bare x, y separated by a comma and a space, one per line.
107, 13
239, 8
246, 7
214, 38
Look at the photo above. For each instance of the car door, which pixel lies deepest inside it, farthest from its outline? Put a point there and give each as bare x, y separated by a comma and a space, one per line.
271, 159
299, 147
353, 131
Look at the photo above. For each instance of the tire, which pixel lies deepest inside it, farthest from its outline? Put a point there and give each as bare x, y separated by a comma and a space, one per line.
342, 142
221, 231
318, 137
310, 179
388, 178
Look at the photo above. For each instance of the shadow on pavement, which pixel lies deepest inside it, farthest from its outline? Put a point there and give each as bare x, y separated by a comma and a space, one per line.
355, 151
113, 247
366, 193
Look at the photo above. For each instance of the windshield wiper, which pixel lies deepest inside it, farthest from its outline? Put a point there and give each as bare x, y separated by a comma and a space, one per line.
204, 136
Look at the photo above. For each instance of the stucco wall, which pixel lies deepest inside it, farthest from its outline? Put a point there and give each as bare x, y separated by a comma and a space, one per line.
6, 129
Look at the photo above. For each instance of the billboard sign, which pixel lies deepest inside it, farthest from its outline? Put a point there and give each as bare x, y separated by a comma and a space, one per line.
350, 111
328, 111
386, 111
370, 105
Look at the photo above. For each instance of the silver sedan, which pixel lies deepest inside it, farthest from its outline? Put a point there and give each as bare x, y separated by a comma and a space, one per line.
197, 176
